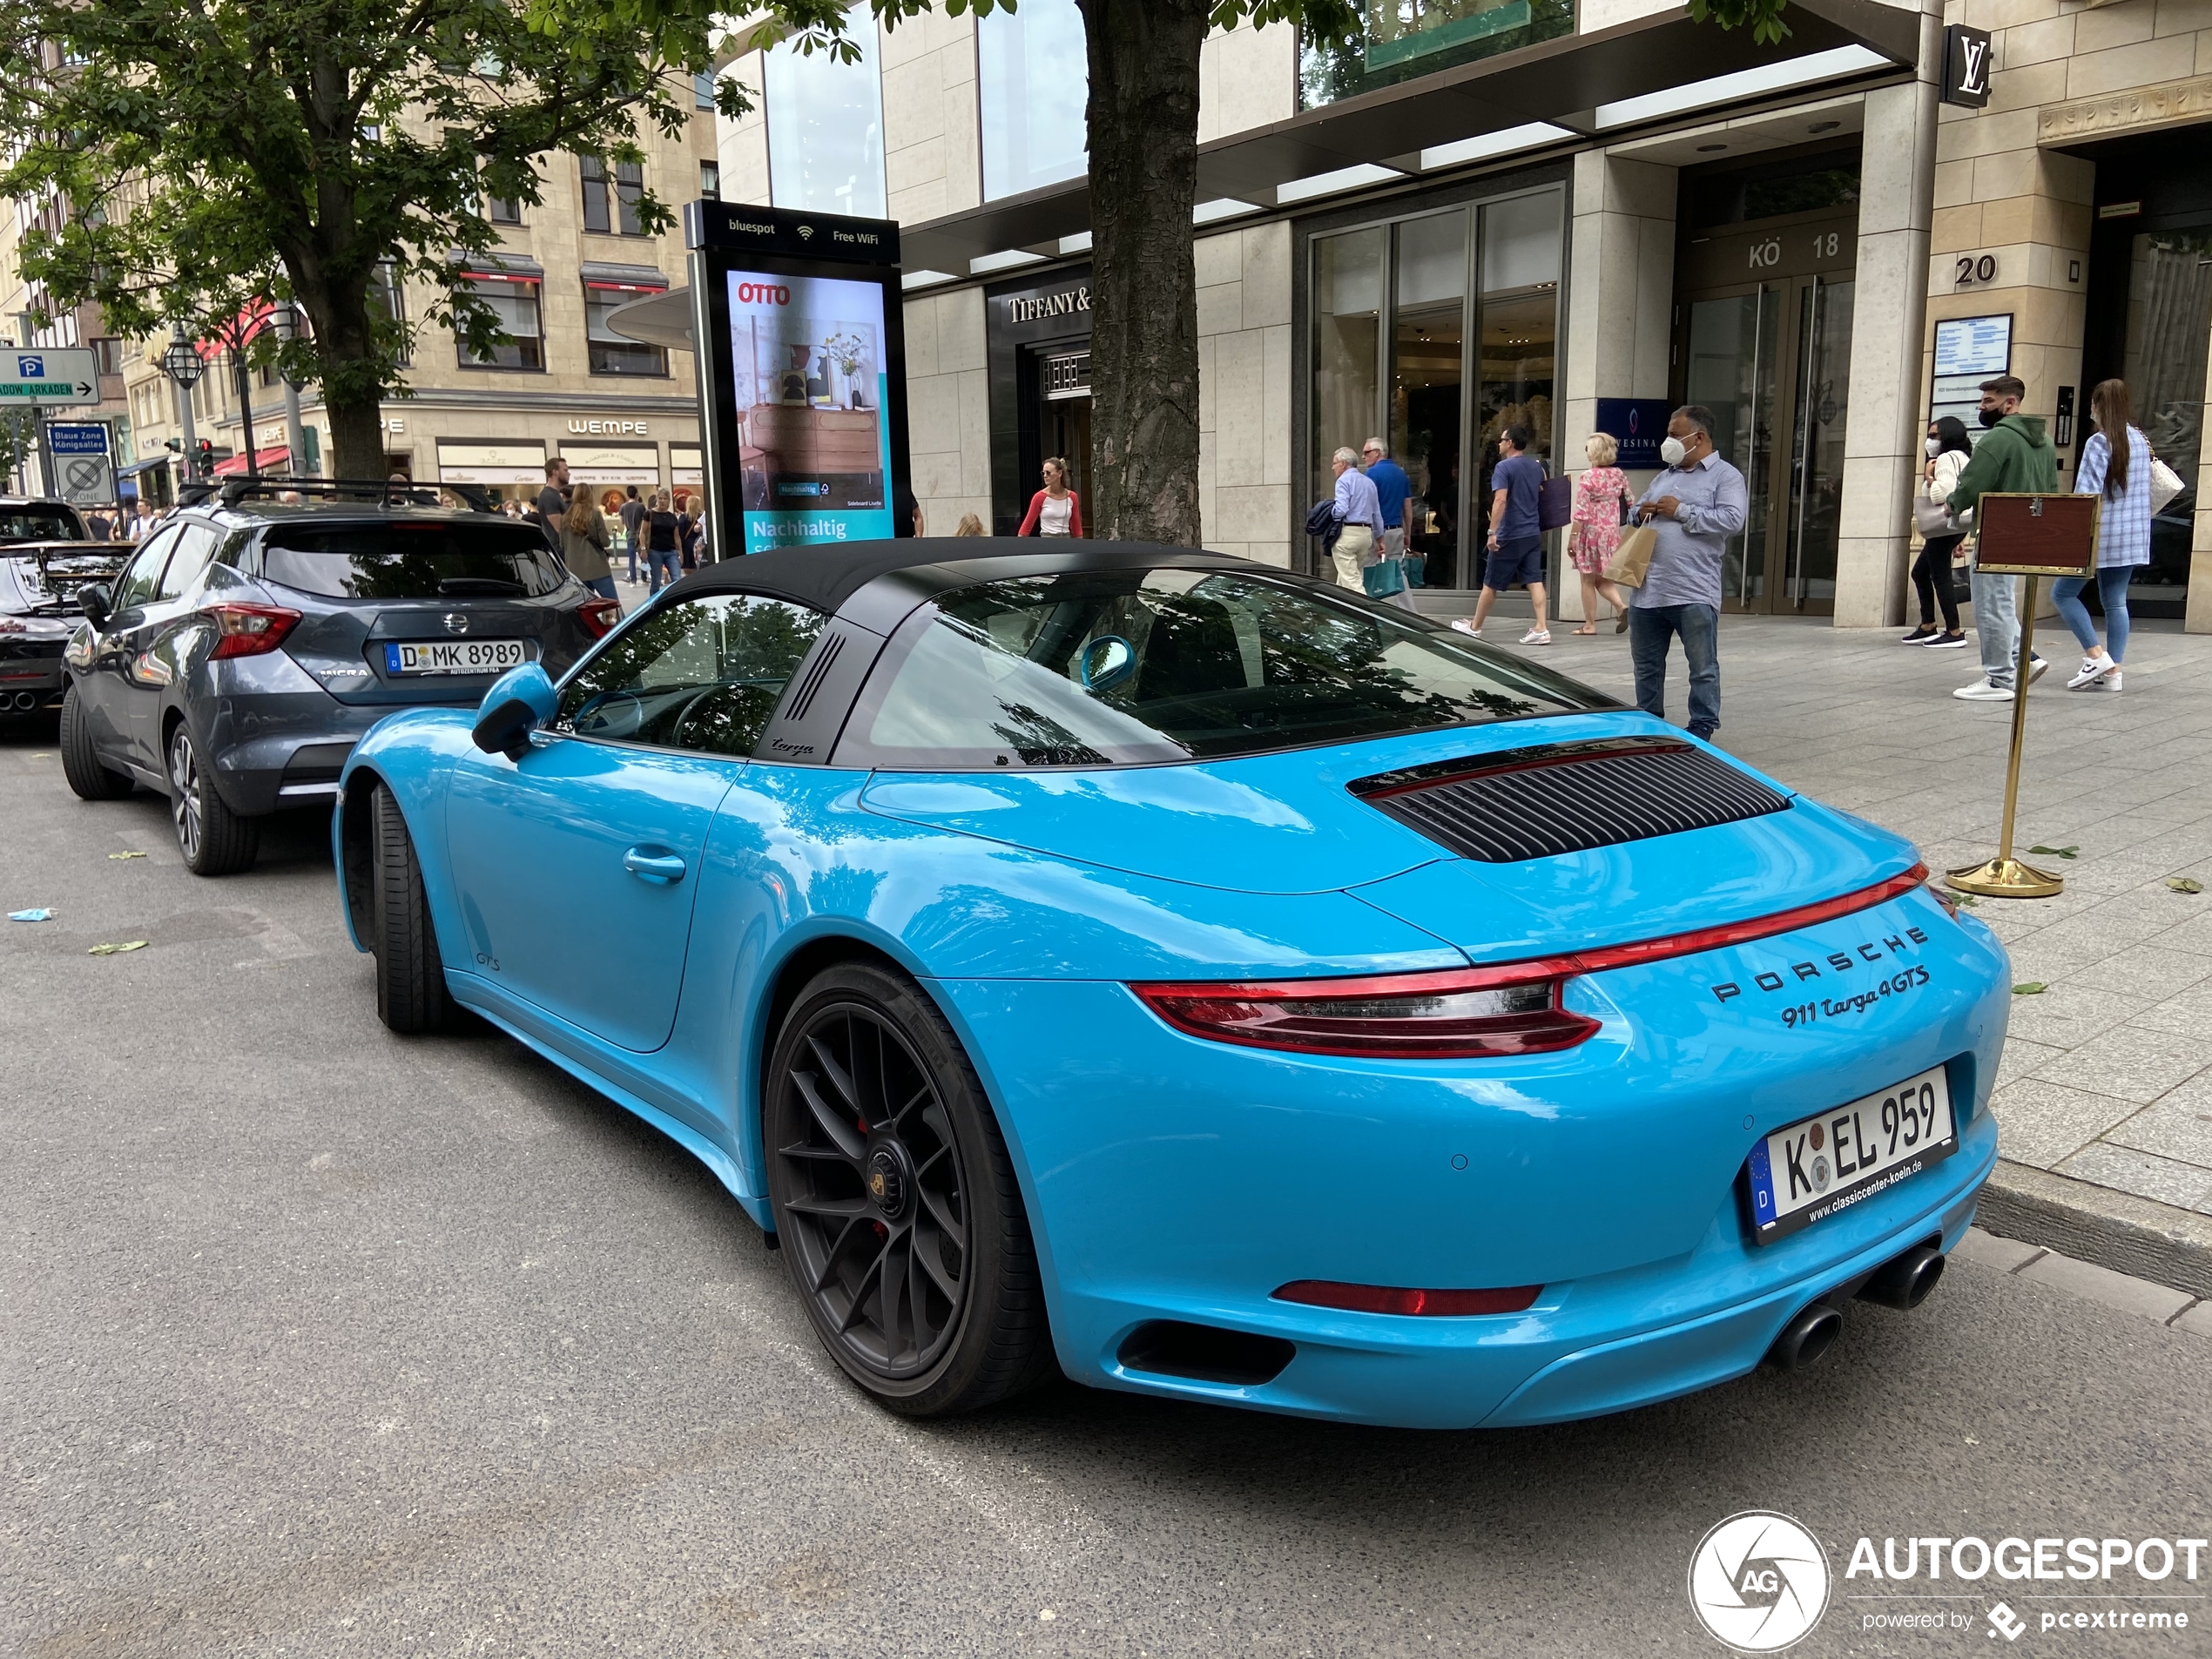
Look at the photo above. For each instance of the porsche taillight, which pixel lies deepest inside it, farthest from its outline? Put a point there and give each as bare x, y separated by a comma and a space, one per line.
1455, 1014
1459, 1014
248, 631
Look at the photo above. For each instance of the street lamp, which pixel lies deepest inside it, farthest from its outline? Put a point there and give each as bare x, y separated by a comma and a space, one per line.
183, 364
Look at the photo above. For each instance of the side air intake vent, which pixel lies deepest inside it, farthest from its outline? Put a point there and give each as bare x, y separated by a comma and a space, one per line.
1560, 798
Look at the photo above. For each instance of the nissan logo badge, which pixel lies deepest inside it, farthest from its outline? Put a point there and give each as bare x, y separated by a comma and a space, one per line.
457, 623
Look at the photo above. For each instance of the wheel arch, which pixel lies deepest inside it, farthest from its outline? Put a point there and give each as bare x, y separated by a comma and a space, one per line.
786, 979
352, 850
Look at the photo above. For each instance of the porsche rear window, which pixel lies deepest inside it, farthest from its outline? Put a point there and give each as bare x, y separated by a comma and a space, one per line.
431, 560
1139, 667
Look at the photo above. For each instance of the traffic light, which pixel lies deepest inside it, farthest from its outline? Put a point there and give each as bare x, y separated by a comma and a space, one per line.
207, 458
175, 444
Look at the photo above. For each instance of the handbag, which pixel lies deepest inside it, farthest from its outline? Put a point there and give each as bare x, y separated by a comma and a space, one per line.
1629, 565
1555, 503
1930, 518
2165, 484
1384, 578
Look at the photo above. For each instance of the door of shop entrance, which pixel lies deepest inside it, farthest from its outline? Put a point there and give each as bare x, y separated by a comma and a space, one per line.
1056, 414
1763, 337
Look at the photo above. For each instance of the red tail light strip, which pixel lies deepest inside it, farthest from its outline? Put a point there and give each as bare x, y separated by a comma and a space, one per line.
1318, 1015
1737, 933
1382, 1298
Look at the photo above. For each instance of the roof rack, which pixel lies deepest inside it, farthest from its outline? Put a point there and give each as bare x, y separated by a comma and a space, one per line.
382, 491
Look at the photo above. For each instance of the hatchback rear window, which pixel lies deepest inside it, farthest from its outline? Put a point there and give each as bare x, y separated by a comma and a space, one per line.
492, 560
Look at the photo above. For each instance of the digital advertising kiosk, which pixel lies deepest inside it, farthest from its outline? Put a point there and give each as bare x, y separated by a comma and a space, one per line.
802, 367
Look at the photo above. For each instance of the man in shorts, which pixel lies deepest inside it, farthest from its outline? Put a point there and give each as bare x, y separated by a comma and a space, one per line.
1516, 543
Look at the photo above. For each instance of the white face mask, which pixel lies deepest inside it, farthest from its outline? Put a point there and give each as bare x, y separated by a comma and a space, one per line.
1935, 448
1672, 451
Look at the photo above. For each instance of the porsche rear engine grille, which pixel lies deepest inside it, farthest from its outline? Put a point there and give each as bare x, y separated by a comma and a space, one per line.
1567, 797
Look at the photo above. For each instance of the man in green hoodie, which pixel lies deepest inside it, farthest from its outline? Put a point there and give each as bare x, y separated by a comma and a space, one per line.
2015, 456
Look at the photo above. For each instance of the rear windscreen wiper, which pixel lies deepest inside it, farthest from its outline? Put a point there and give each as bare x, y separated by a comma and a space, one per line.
480, 584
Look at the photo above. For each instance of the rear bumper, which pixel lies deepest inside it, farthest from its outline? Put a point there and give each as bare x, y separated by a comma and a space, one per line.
31, 676
1171, 1178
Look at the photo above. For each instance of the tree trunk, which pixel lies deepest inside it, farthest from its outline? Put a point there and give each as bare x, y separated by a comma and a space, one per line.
352, 390
1143, 115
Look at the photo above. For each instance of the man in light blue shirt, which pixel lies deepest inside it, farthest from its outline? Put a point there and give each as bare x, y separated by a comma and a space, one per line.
1695, 505
1359, 513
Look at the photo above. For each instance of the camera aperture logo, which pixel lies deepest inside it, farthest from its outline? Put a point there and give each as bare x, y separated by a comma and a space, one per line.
1759, 1582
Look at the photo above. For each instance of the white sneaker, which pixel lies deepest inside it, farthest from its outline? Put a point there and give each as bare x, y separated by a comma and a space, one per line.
1467, 628
1537, 637
2092, 670
2035, 667
1982, 691
2109, 683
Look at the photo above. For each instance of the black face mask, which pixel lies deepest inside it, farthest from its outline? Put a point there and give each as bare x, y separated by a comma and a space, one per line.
1991, 417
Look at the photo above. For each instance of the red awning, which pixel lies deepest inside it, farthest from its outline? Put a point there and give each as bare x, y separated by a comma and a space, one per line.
263, 459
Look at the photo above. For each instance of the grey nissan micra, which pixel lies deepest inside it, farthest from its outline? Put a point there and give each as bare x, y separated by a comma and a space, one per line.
249, 643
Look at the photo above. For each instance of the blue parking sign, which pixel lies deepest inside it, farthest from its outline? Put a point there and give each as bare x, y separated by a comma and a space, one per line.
77, 437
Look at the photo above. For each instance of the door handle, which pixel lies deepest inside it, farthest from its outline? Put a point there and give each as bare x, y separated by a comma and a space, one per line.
654, 864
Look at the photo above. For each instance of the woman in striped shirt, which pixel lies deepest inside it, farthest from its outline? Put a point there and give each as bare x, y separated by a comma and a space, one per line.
2115, 464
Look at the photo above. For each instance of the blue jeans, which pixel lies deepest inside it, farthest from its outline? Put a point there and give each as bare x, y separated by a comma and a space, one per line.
2112, 592
660, 559
1649, 629
603, 586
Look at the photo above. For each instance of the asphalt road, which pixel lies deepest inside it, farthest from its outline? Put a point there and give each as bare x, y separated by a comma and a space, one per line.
315, 1340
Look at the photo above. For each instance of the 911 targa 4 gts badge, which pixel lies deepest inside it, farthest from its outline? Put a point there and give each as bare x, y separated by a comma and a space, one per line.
1836, 963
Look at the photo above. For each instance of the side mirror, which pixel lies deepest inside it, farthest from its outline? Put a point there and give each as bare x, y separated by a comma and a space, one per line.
92, 600
1106, 661
520, 701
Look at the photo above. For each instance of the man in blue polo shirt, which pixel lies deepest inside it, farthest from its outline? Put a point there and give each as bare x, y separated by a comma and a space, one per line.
1391, 489
1516, 541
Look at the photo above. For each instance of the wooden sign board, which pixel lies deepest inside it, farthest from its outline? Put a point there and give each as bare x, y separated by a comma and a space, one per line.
2022, 534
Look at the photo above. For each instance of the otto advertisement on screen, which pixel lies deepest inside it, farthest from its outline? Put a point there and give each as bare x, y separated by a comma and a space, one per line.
806, 364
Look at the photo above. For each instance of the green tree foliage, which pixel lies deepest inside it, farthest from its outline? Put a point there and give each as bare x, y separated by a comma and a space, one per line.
210, 154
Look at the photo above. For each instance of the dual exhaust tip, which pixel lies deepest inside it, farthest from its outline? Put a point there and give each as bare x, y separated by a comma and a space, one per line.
1902, 1282
24, 702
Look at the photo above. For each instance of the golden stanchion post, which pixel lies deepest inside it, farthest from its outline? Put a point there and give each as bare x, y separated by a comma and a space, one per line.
2004, 876
2024, 533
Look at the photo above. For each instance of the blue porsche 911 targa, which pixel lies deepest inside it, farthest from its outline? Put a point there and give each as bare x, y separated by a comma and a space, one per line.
1201, 978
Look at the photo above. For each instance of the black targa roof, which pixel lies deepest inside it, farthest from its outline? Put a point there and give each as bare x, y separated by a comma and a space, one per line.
825, 575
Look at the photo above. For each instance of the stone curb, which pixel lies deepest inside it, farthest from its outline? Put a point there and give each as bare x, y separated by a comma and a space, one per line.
2138, 1237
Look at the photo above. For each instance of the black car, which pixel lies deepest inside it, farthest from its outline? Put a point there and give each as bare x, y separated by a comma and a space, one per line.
47, 557
249, 643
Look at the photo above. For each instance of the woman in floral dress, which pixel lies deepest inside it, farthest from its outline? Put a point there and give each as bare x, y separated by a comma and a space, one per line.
1595, 534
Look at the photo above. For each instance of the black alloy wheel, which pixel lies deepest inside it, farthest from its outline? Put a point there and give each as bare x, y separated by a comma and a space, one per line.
215, 839
896, 1200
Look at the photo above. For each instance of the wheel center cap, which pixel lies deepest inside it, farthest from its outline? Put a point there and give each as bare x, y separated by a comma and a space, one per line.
889, 1179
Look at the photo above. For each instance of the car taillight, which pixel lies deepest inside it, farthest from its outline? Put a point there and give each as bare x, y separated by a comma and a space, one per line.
1454, 1014
1384, 1299
248, 631
1459, 1014
599, 616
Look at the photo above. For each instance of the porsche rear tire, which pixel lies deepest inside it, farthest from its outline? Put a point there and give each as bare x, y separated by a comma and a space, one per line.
88, 779
411, 995
895, 1200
